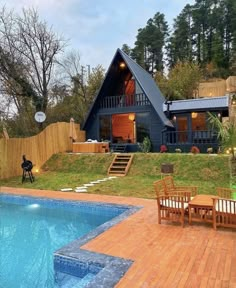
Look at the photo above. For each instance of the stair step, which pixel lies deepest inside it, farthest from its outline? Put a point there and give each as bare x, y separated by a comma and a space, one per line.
114, 169
117, 173
120, 165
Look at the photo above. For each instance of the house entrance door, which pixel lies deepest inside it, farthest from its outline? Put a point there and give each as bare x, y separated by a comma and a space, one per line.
123, 128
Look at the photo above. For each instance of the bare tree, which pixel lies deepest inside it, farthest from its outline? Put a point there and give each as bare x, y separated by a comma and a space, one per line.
83, 84
31, 49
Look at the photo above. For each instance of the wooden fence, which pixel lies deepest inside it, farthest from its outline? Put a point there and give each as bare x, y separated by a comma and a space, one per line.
217, 87
212, 89
53, 139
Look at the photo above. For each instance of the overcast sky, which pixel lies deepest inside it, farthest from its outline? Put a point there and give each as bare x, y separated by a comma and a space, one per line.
96, 28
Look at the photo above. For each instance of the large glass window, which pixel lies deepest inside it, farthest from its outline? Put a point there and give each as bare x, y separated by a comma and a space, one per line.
105, 127
142, 126
123, 128
199, 121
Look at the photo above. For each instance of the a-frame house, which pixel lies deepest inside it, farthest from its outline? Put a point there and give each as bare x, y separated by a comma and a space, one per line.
129, 106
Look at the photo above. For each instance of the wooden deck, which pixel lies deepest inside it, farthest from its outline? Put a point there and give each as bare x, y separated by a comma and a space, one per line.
165, 255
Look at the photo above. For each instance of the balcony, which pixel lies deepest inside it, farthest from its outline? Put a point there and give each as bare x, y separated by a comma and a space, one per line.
124, 101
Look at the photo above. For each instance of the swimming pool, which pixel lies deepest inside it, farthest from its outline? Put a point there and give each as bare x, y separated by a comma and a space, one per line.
41, 239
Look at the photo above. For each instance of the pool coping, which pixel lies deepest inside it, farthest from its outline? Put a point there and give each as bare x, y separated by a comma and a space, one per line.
112, 268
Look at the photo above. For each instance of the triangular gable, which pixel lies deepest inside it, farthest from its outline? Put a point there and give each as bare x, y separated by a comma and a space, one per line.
144, 80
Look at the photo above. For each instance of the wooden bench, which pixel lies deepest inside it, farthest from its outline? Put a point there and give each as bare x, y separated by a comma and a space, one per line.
171, 188
171, 204
224, 209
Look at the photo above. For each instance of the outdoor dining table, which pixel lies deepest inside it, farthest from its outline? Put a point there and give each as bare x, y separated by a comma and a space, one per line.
200, 208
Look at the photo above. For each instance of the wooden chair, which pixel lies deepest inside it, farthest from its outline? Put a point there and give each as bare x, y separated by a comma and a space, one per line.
171, 207
160, 188
224, 213
226, 193
171, 188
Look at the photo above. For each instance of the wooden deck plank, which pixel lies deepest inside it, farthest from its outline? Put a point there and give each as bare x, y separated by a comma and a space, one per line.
165, 255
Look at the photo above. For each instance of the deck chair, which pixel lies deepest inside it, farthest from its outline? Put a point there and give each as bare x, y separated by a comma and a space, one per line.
171, 188
226, 193
171, 207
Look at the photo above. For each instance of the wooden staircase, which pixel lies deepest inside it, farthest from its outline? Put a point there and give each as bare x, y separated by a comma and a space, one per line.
120, 164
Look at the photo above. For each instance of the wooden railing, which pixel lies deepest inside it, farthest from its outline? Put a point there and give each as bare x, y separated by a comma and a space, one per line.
124, 101
193, 137
38, 149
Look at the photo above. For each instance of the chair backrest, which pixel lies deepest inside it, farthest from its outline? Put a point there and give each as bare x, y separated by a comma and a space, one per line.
159, 187
224, 192
169, 183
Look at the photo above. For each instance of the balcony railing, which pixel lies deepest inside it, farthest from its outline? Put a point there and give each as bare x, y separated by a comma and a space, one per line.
124, 101
190, 137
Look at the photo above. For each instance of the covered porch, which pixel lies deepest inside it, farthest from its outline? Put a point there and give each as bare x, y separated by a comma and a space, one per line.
184, 140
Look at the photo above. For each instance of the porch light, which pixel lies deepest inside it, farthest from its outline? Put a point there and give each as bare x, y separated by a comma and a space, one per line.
219, 115
174, 118
194, 114
122, 65
131, 117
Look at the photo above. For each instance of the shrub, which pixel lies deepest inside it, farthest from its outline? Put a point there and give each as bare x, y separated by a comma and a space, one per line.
146, 145
194, 150
163, 149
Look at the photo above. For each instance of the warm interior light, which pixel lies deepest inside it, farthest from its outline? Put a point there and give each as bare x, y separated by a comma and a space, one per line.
131, 117
122, 65
37, 170
194, 114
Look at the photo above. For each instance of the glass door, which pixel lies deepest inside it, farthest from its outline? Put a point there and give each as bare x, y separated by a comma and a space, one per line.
182, 129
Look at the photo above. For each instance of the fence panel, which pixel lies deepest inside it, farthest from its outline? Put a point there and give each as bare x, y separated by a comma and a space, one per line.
53, 139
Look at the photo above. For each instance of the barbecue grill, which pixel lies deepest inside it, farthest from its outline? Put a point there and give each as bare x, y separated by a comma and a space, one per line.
27, 167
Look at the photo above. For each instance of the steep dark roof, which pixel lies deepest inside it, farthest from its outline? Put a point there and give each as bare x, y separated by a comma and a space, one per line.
145, 81
148, 85
198, 104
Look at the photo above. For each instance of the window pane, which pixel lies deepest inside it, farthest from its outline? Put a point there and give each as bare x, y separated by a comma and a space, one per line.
105, 127
142, 126
199, 122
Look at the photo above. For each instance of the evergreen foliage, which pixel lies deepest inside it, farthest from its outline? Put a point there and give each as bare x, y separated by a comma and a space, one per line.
203, 33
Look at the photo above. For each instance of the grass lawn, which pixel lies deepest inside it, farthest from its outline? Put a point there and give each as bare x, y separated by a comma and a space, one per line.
72, 170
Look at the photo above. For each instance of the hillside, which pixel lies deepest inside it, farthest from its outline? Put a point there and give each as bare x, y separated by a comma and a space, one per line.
72, 170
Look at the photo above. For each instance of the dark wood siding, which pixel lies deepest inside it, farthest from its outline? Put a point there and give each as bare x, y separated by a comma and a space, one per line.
155, 124
156, 127
92, 128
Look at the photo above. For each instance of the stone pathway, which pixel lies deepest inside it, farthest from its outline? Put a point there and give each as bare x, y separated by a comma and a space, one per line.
85, 186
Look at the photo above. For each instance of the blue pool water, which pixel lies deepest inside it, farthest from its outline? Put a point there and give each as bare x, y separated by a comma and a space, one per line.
32, 229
